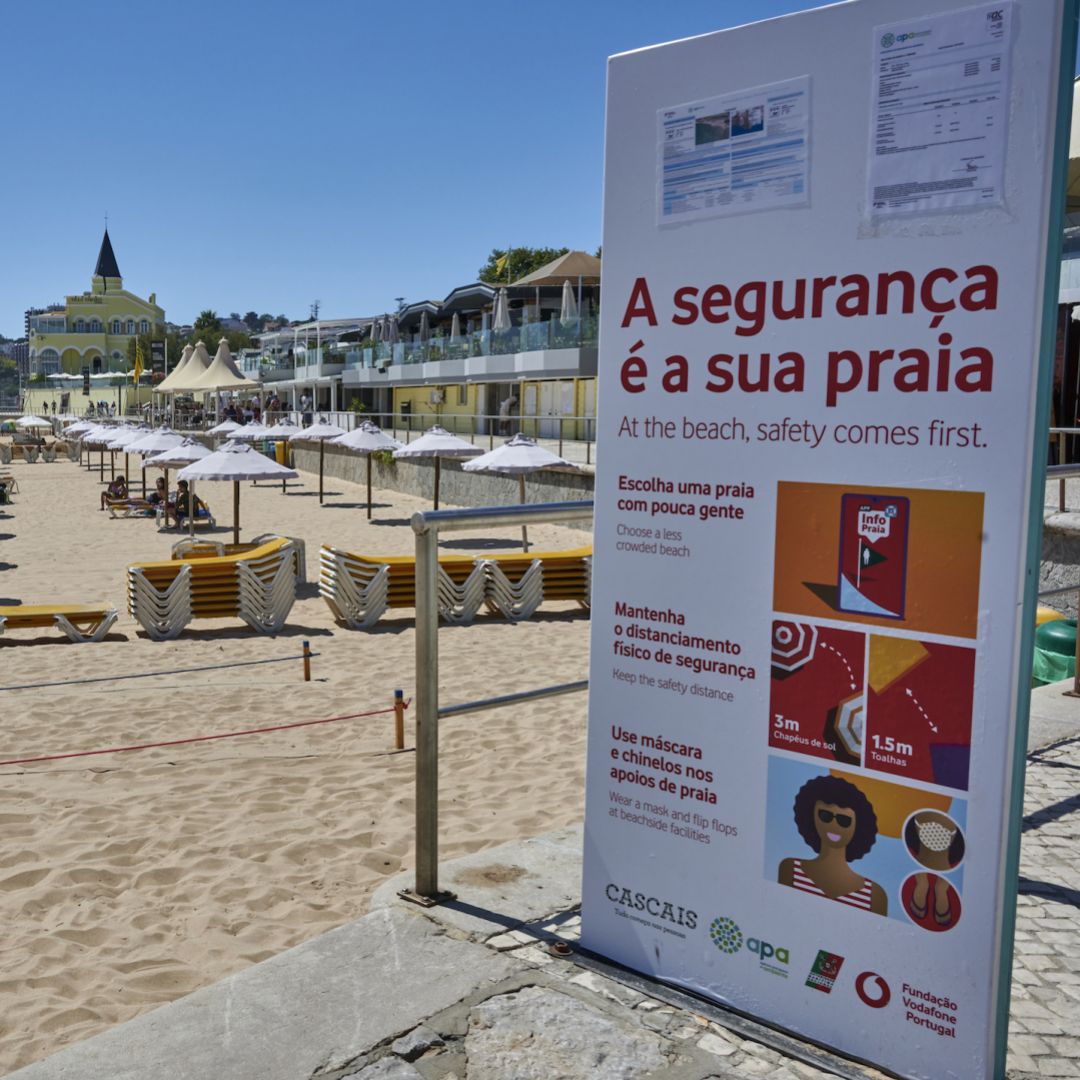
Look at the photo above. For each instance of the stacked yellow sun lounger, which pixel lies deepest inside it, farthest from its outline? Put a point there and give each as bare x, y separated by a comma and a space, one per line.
359, 588
81, 622
257, 586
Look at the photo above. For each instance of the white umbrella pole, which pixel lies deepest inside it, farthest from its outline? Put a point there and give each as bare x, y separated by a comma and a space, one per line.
191, 510
236, 511
101, 473
125, 467
524, 529
166, 498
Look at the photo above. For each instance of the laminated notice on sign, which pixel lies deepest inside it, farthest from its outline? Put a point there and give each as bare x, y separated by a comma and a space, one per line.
940, 94
747, 150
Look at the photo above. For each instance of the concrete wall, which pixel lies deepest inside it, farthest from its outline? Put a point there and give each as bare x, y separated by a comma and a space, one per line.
1061, 560
457, 488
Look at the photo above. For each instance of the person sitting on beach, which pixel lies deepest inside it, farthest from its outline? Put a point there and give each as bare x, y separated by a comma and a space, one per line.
159, 494
184, 499
116, 491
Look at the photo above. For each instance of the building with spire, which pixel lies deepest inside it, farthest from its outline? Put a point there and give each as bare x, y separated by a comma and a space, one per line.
93, 328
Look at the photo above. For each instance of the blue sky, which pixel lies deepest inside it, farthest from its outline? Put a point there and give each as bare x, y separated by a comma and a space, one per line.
262, 155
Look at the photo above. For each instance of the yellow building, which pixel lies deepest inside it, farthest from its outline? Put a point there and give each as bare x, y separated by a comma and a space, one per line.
93, 328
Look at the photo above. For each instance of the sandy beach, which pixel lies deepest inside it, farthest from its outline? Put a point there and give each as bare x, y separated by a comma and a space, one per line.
129, 880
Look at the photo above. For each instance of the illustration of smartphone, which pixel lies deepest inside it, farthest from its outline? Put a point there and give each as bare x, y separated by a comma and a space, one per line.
873, 554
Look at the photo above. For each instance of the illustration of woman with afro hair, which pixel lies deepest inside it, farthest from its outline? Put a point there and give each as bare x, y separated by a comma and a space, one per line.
836, 819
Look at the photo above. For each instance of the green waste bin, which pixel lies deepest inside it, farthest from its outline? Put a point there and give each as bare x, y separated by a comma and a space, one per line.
1055, 652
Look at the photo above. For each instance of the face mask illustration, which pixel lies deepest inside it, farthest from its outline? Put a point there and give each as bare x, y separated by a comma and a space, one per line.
934, 836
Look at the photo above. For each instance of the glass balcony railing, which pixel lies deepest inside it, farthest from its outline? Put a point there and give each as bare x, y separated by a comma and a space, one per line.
530, 337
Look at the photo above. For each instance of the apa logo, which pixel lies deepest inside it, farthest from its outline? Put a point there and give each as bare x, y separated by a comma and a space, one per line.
888, 41
873, 990
766, 951
727, 936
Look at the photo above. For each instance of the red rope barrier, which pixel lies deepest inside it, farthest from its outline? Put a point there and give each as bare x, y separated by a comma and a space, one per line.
196, 738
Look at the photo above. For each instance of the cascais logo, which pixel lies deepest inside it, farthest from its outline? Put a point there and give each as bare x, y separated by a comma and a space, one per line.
664, 910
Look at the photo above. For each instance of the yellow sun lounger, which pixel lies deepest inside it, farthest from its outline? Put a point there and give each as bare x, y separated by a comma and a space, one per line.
258, 586
359, 588
81, 622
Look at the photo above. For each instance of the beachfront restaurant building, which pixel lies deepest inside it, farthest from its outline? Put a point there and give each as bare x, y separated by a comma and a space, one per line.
473, 363
91, 329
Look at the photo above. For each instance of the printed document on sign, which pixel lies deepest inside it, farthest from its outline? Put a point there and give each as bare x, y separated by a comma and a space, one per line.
940, 102
742, 151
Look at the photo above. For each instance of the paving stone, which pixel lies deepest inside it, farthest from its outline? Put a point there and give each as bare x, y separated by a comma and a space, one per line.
1055, 1066
538, 1032
1028, 1044
417, 1042
534, 954
388, 1068
755, 1066
712, 1043
1067, 1046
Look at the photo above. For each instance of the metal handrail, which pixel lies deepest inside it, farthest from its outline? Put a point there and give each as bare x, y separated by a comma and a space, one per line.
427, 526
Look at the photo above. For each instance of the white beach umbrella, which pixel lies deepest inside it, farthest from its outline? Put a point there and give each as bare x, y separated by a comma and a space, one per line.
28, 422
518, 457
391, 330
438, 443
425, 328
318, 432
501, 321
121, 438
98, 436
226, 427
184, 453
569, 310
236, 461
367, 439
252, 432
155, 442
455, 328
284, 429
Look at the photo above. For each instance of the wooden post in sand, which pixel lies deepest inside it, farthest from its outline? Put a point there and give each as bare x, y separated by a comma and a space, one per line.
307, 661
399, 720
236, 512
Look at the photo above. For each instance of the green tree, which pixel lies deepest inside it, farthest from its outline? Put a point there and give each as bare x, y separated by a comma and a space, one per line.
253, 321
502, 267
207, 324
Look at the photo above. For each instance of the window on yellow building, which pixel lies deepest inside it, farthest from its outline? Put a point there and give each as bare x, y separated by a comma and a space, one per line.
463, 394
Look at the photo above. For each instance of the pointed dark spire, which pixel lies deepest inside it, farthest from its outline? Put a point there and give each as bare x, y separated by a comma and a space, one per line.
106, 260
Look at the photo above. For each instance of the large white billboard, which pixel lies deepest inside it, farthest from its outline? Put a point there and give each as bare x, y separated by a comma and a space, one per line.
825, 254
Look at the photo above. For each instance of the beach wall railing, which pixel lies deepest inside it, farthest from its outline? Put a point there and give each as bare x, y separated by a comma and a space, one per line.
427, 526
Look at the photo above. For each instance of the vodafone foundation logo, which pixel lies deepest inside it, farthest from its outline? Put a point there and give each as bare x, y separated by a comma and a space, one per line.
873, 990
